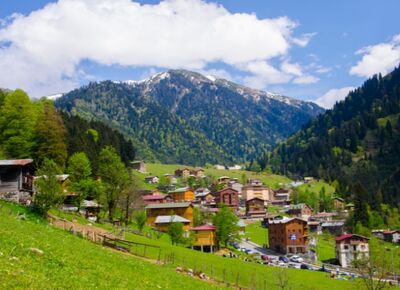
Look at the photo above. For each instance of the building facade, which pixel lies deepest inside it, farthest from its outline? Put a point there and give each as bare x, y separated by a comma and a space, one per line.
350, 247
227, 196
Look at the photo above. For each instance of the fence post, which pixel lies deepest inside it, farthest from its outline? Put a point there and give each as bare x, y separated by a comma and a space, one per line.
159, 256
211, 271
224, 275
265, 284
144, 251
237, 279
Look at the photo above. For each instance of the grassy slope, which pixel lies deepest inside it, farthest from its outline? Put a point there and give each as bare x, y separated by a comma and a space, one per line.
316, 186
271, 180
208, 263
71, 262
256, 233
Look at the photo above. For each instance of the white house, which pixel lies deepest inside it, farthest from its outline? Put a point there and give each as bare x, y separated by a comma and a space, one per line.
350, 247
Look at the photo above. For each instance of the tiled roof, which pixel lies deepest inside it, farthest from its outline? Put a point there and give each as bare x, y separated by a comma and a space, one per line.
168, 205
204, 228
286, 220
15, 162
153, 197
166, 219
183, 189
348, 236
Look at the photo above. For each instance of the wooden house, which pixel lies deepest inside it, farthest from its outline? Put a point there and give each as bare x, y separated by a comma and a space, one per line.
224, 179
255, 207
198, 172
338, 203
162, 198
300, 210
182, 194
182, 209
227, 196
139, 166
91, 209
205, 237
289, 235
162, 222
350, 247
183, 173
152, 179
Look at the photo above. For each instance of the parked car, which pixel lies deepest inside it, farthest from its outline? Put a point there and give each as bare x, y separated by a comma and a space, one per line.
249, 252
292, 265
297, 259
282, 264
305, 266
284, 259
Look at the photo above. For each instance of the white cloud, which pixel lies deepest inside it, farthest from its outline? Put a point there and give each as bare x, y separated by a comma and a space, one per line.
264, 73
291, 68
47, 46
306, 79
379, 58
332, 96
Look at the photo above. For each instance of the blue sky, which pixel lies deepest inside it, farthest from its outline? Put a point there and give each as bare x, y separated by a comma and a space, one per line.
311, 50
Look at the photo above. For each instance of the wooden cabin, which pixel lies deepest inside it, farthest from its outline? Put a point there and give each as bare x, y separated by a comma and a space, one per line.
300, 210
255, 207
182, 209
184, 173
227, 196
163, 222
205, 237
182, 194
139, 166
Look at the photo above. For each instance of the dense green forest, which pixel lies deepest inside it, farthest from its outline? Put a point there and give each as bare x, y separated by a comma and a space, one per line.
356, 146
36, 129
183, 117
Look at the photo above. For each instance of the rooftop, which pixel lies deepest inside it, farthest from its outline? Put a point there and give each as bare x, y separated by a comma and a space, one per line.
153, 197
204, 228
166, 219
168, 205
182, 189
286, 220
22, 162
349, 236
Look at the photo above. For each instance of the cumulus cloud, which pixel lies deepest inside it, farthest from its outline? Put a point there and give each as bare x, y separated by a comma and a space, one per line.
332, 96
379, 58
41, 52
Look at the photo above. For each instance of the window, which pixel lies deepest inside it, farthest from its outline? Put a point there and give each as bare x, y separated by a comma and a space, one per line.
346, 247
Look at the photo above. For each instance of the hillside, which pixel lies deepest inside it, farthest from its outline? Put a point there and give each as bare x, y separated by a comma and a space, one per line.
185, 117
70, 262
356, 143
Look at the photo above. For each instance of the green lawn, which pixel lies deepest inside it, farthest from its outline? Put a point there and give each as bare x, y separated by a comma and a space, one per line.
316, 186
70, 262
325, 247
257, 234
272, 180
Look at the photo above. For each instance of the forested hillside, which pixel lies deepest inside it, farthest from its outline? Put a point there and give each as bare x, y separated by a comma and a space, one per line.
356, 144
36, 129
184, 117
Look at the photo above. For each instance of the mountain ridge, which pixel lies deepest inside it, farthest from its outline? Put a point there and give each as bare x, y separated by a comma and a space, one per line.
231, 122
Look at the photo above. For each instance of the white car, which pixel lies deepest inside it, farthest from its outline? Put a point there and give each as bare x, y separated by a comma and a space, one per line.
297, 259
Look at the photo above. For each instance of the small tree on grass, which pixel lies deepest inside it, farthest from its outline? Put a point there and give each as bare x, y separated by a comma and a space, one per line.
282, 278
49, 192
227, 228
140, 219
175, 232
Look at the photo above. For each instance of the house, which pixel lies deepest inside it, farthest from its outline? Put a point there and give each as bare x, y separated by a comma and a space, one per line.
162, 198
198, 172
227, 196
300, 210
224, 179
333, 227
162, 222
253, 190
172, 178
323, 216
152, 179
269, 218
235, 167
182, 194
288, 235
91, 209
16, 179
338, 203
378, 234
139, 166
219, 167
308, 179
315, 227
349, 206
281, 197
182, 209
254, 182
183, 173
205, 237
392, 236
255, 207
350, 247
204, 195
235, 185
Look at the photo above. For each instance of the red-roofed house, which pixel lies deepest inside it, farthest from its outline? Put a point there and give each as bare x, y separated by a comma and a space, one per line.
350, 247
205, 237
392, 236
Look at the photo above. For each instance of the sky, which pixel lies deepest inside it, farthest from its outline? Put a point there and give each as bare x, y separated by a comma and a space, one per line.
310, 50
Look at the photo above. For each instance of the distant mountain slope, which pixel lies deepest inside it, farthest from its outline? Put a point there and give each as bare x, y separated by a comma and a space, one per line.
182, 116
357, 142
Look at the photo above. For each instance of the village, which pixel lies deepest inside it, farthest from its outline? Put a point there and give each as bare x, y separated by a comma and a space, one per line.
291, 230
